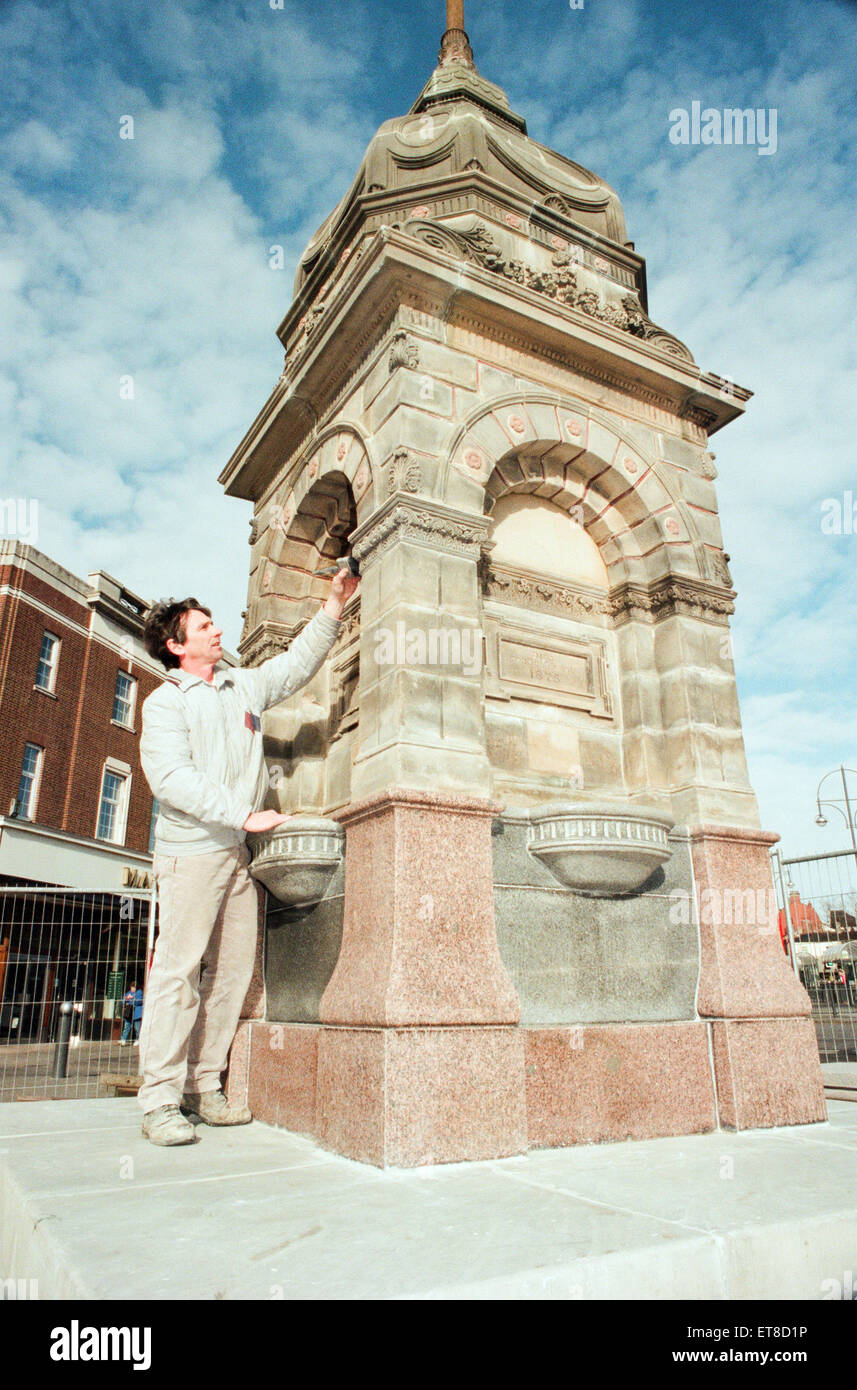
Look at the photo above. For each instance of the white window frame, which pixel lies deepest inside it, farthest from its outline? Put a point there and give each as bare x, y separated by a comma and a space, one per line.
132, 706
50, 688
123, 771
36, 784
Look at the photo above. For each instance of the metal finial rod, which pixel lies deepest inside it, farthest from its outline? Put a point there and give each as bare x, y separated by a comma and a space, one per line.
455, 46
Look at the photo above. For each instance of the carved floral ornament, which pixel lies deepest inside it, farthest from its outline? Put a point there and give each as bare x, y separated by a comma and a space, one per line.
479, 247
404, 474
694, 598
404, 352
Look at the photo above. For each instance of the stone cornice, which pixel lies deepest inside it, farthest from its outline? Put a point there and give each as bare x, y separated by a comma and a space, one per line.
508, 584
624, 603
396, 269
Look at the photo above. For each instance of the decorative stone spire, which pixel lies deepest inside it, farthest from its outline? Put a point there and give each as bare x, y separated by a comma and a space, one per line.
455, 45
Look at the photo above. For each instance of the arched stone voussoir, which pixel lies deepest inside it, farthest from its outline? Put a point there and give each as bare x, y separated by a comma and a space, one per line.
576, 457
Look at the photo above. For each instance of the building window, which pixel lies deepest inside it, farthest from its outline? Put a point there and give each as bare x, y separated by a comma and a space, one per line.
124, 698
28, 786
152, 823
46, 671
113, 804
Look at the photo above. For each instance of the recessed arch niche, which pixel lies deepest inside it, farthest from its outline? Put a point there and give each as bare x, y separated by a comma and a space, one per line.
307, 530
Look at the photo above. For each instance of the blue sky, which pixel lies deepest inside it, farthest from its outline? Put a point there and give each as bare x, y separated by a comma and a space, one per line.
149, 258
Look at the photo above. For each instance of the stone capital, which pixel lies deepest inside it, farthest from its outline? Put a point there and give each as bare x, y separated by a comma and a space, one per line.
422, 522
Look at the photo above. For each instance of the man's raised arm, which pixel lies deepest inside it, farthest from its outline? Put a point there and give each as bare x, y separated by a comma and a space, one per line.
282, 675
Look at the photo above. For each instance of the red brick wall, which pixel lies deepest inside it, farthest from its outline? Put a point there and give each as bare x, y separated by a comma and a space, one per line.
74, 728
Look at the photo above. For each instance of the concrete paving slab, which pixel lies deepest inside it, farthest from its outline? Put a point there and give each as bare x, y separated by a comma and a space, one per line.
840, 1080
258, 1213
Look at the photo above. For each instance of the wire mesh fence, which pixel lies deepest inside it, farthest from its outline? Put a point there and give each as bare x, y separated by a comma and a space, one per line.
818, 921
72, 974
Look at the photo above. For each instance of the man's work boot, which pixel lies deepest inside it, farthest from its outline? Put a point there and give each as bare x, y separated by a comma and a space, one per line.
213, 1108
165, 1126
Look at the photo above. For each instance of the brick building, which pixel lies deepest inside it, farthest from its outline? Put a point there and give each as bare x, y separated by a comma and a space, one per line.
73, 675
77, 813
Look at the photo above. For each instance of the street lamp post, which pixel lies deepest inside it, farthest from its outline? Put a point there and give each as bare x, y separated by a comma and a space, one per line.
835, 802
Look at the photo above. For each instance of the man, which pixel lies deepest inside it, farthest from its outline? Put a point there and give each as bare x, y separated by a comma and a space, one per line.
201, 750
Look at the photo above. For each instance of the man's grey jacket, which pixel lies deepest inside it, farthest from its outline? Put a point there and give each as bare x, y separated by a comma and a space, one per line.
201, 745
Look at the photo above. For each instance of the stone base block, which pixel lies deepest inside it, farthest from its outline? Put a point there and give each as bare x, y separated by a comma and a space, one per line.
283, 1067
404, 1097
743, 970
238, 1066
767, 1073
412, 1096
587, 1085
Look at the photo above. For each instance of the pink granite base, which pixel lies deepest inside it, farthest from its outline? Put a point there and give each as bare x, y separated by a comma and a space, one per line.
254, 1000
768, 1073
419, 942
604, 1082
744, 972
238, 1067
283, 1074
411, 1096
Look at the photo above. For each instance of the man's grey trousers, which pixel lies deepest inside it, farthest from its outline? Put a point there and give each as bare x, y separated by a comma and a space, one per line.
208, 915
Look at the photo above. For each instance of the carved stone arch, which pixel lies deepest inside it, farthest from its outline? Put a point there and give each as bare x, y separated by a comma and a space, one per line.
561, 448
340, 448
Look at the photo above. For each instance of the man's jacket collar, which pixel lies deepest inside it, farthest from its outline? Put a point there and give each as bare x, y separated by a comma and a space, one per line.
186, 679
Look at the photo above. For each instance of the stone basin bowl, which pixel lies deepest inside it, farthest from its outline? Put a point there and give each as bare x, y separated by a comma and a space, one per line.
603, 848
296, 860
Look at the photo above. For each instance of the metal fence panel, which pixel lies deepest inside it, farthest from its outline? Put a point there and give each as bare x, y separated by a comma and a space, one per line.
68, 959
818, 919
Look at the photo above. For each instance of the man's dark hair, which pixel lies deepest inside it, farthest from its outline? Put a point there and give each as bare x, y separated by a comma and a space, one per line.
169, 619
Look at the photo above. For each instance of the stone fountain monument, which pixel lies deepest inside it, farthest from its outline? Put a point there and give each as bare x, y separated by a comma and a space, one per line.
525, 900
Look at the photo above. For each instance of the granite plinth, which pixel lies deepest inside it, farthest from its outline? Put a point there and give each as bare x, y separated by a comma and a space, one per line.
592, 1084
576, 959
413, 1096
768, 1073
254, 1000
301, 954
283, 1067
419, 943
743, 970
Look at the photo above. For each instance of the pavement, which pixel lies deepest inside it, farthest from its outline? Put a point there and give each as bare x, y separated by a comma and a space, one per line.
26, 1069
90, 1210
